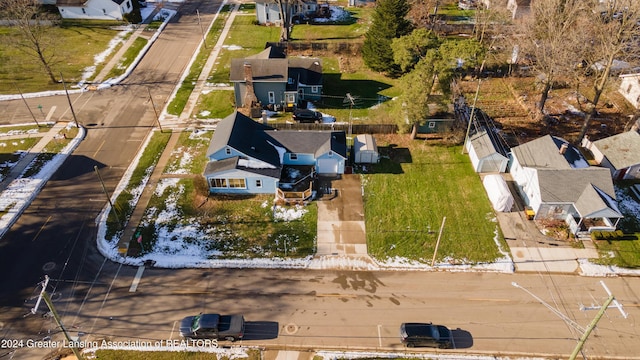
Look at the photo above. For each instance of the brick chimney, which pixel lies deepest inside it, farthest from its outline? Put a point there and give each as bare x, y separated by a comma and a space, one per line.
250, 95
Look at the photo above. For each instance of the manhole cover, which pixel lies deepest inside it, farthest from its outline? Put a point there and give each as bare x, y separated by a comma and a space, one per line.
291, 328
49, 266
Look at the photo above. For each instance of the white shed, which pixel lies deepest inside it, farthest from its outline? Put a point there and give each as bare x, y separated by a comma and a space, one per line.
498, 192
365, 149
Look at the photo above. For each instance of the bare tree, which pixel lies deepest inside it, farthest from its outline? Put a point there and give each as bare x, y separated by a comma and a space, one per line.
33, 25
550, 38
423, 12
285, 9
613, 32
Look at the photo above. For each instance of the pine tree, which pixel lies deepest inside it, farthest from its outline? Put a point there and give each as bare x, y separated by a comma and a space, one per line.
388, 23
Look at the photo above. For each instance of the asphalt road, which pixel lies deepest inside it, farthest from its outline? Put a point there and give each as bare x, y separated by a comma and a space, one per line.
56, 234
293, 308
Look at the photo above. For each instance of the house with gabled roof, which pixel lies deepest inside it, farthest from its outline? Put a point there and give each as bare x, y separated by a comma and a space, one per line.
268, 11
275, 81
619, 153
557, 182
247, 157
94, 9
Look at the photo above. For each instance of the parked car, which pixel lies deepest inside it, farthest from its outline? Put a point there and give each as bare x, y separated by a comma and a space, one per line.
307, 116
213, 326
426, 334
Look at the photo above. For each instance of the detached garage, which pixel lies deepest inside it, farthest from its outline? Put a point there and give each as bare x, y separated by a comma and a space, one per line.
486, 154
365, 149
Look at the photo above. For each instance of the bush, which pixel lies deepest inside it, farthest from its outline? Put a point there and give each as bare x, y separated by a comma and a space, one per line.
596, 235
134, 17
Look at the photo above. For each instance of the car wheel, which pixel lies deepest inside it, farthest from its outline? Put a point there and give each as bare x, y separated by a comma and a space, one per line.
230, 338
410, 345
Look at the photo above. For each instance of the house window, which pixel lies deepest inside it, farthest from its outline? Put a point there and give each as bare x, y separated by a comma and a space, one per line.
104, 11
432, 124
293, 156
330, 154
314, 89
290, 81
290, 98
84, 11
272, 97
301, 93
237, 183
258, 183
218, 183
227, 151
629, 88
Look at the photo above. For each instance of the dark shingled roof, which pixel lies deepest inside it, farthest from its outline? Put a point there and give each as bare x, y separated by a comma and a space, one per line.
312, 142
274, 70
307, 71
245, 135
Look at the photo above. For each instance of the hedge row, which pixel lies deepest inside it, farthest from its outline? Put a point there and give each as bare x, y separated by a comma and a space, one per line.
607, 235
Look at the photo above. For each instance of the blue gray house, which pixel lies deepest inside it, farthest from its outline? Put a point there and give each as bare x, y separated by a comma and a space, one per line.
247, 157
271, 79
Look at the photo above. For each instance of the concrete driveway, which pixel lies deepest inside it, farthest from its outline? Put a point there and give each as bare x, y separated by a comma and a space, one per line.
341, 229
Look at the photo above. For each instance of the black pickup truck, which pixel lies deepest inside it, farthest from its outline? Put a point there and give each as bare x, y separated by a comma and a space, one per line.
213, 326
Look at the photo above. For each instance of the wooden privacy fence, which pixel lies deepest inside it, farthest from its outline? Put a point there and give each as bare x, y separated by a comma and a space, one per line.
355, 128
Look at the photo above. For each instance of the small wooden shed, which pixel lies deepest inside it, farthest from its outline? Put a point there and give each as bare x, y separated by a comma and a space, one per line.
365, 149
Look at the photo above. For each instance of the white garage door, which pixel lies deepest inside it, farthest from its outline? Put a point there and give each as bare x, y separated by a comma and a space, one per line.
327, 166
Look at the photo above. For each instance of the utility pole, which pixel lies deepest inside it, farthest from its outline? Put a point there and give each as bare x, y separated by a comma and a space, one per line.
592, 325
106, 193
47, 300
204, 39
25, 102
155, 111
69, 100
351, 103
435, 252
473, 109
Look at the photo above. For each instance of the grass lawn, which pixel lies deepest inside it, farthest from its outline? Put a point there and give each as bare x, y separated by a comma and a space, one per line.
75, 45
127, 59
168, 355
410, 191
231, 226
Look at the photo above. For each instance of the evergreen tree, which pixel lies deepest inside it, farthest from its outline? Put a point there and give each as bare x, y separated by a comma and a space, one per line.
388, 23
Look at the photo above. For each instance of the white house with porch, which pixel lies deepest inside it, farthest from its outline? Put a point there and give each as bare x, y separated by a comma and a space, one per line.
94, 9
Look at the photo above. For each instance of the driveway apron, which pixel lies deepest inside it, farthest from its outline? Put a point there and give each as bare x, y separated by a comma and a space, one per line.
341, 229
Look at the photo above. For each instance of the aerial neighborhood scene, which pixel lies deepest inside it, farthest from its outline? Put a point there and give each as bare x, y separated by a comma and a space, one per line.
319, 179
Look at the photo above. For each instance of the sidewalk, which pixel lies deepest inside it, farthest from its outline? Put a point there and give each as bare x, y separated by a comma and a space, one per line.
141, 205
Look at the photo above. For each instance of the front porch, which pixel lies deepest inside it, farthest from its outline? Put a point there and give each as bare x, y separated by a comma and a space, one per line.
296, 183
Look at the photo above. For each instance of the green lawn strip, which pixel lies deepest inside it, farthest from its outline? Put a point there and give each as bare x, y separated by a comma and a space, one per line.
405, 204
244, 39
127, 59
76, 45
622, 253
190, 152
11, 150
147, 161
50, 150
168, 355
177, 104
215, 104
